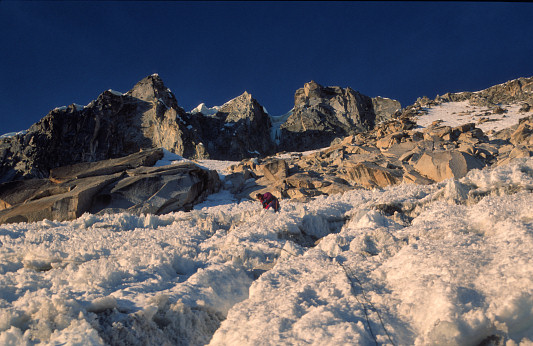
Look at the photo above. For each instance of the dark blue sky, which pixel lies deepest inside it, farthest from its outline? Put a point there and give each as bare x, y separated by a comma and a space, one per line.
57, 53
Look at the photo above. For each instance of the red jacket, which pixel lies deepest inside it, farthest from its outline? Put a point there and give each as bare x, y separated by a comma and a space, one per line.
268, 200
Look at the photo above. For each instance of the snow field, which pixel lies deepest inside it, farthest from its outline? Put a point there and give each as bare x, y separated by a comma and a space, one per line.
458, 113
448, 263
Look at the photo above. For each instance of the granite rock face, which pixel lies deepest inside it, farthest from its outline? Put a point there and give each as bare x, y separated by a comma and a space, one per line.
321, 114
114, 125
239, 129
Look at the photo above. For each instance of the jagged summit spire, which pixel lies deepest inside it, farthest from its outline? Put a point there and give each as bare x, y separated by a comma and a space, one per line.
150, 88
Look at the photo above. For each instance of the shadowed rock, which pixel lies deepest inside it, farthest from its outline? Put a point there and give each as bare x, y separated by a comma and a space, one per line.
321, 114
116, 185
240, 129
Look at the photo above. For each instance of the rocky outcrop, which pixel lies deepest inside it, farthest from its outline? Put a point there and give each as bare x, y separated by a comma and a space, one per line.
394, 152
516, 141
114, 125
239, 129
321, 114
384, 108
124, 184
374, 144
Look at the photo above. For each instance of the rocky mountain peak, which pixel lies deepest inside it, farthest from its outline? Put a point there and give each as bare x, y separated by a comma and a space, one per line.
112, 126
312, 89
239, 129
243, 107
152, 88
322, 114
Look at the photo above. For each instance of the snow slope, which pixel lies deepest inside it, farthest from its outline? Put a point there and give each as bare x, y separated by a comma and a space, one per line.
456, 269
457, 113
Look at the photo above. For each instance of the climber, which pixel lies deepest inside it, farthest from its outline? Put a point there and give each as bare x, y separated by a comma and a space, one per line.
268, 201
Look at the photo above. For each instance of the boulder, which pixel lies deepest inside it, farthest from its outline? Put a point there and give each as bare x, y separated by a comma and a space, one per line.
106, 167
411, 176
236, 182
523, 133
115, 185
441, 165
391, 139
384, 108
72, 200
526, 107
16, 192
275, 170
158, 190
369, 175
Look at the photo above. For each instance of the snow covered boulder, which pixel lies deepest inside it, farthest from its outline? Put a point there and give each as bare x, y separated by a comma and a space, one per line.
441, 165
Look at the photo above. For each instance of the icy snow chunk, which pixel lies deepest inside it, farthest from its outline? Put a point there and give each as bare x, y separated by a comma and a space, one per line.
116, 93
13, 134
169, 158
79, 107
368, 219
315, 225
13, 336
102, 304
79, 332
202, 108
454, 192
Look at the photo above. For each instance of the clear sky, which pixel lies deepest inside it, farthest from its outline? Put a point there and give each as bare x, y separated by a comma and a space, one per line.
58, 53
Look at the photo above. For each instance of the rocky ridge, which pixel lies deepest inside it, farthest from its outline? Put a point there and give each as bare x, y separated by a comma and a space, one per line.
148, 116
517, 90
236, 130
